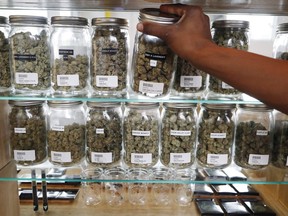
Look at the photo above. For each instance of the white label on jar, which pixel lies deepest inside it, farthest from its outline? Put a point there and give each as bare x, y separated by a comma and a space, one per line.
257, 159
226, 86
101, 157
58, 128
218, 135
180, 158
151, 87
180, 133
20, 130
107, 81
26, 78
99, 130
24, 155
153, 63
261, 132
287, 161
141, 158
140, 133
61, 157
217, 159
191, 81
68, 80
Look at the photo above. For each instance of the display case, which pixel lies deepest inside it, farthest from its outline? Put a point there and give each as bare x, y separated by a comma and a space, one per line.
270, 182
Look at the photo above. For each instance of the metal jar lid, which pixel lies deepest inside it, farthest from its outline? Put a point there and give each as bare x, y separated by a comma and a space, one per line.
255, 107
25, 102
219, 106
155, 15
103, 104
179, 105
63, 103
142, 105
283, 27
69, 20
100, 21
3, 20
26, 19
230, 24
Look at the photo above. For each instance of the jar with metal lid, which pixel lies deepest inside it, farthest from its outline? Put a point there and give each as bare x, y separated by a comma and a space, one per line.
216, 127
190, 82
5, 75
253, 139
109, 56
231, 34
280, 140
280, 45
70, 55
153, 63
104, 133
30, 54
27, 122
66, 132
178, 134
141, 130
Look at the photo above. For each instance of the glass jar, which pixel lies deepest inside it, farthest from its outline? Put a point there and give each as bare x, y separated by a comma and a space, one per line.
190, 82
253, 140
29, 54
280, 140
104, 133
27, 132
178, 134
66, 132
280, 45
70, 55
231, 34
141, 134
109, 56
5, 75
153, 64
216, 127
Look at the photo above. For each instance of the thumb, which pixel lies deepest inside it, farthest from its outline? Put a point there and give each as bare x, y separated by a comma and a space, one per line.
155, 29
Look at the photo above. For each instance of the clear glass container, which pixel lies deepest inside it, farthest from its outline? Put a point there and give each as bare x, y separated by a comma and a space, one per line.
109, 72
27, 122
190, 82
178, 134
231, 34
280, 45
30, 54
104, 133
5, 74
253, 139
216, 126
66, 132
70, 55
280, 140
141, 134
153, 63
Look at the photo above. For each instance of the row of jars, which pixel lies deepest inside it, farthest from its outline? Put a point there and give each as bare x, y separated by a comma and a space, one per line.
139, 134
71, 62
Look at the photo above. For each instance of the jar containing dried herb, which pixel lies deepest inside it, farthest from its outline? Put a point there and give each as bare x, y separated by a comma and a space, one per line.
232, 34
280, 45
30, 54
153, 64
190, 82
66, 132
253, 140
5, 75
280, 140
216, 127
109, 56
141, 129
70, 55
178, 134
27, 121
104, 133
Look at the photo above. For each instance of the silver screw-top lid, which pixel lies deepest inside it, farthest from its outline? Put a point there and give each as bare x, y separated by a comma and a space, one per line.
142, 105
3, 20
25, 102
219, 106
155, 15
179, 105
282, 27
63, 103
26, 19
255, 107
109, 21
230, 24
103, 104
69, 20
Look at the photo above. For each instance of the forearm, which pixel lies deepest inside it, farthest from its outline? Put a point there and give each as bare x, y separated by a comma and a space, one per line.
261, 77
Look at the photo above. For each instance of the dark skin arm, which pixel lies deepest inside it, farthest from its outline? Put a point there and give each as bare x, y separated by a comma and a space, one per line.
261, 77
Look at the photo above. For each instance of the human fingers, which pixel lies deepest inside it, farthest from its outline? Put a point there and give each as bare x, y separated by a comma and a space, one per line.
156, 29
